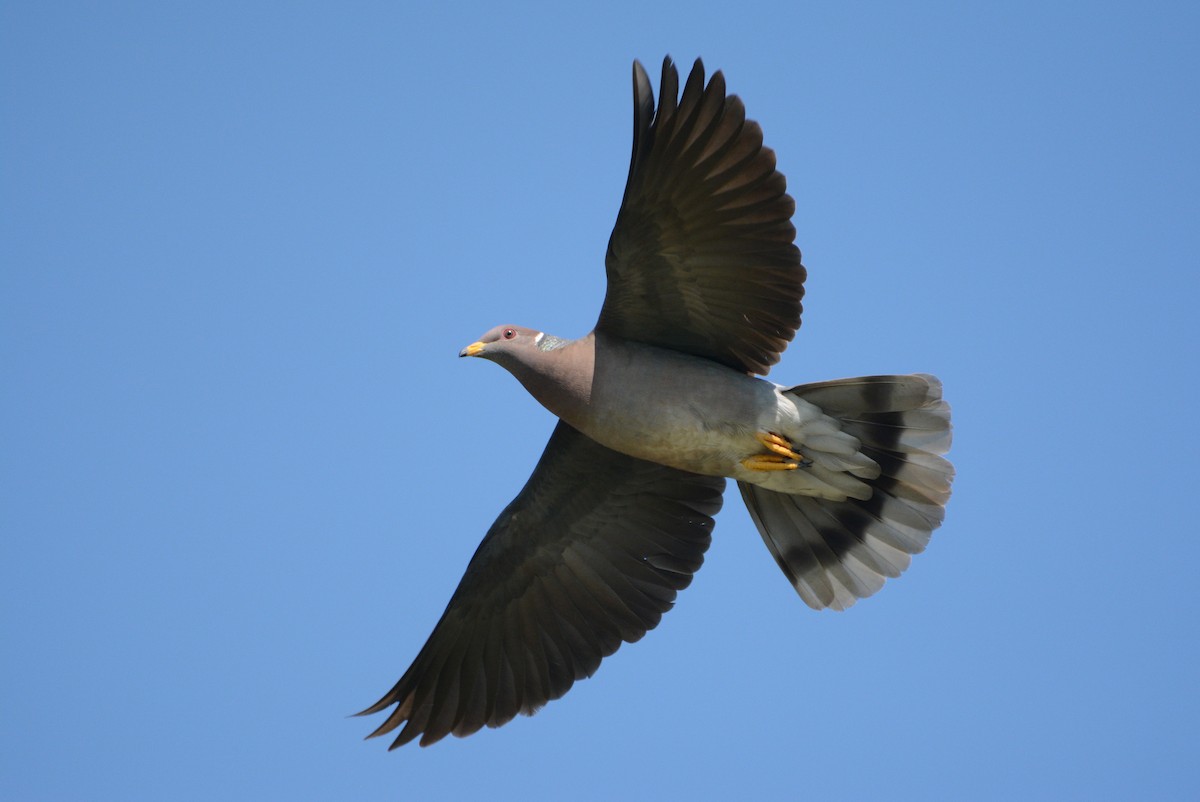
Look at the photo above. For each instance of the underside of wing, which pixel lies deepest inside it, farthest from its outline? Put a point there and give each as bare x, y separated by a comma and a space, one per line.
702, 258
590, 554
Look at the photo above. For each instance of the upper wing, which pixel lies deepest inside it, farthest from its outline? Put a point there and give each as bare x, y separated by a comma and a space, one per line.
590, 553
701, 259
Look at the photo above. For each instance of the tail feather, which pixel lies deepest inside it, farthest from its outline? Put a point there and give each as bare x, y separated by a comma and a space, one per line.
836, 552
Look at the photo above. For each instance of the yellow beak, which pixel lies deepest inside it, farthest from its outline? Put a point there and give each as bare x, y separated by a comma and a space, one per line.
474, 349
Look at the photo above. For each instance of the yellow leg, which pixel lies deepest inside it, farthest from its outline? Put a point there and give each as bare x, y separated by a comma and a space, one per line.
783, 456
779, 445
769, 462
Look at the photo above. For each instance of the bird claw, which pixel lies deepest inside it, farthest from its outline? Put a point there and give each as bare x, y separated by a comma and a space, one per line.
780, 445
783, 456
769, 462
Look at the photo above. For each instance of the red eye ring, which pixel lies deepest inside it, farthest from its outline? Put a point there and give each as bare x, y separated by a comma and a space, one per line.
509, 334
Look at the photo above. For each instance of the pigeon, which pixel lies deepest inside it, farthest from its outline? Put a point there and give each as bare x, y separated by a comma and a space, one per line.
661, 403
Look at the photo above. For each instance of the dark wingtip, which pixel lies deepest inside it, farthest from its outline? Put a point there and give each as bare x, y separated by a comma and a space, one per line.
384, 703
643, 115
641, 87
668, 69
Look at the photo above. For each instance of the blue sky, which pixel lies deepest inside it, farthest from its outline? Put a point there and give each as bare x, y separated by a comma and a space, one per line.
242, 469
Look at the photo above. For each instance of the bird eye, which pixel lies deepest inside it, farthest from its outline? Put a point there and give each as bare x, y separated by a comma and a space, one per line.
509, 334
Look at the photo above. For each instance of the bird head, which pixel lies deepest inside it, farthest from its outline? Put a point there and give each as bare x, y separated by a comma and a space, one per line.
506, 344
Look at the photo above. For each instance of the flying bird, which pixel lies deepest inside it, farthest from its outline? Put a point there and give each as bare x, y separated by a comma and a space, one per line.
657, 406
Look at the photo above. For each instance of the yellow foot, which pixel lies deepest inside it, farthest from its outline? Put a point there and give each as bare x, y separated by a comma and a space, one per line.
779, 445
770, 462
783, 456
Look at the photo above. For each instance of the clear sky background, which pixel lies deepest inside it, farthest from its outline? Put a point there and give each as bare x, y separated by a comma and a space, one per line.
243, 469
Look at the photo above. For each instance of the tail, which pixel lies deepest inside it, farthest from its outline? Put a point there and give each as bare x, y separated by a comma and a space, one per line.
837, 552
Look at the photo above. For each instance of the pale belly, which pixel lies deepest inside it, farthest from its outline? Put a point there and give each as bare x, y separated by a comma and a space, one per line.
703, 417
